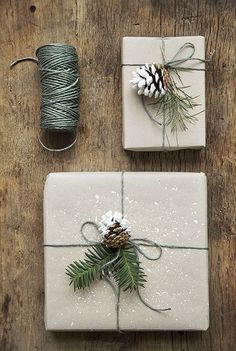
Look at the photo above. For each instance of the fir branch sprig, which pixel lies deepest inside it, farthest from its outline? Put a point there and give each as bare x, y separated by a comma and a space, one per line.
127, 270
95, 266
102, 262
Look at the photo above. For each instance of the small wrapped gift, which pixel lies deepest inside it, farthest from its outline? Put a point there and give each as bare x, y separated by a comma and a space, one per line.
162, 217
165, 111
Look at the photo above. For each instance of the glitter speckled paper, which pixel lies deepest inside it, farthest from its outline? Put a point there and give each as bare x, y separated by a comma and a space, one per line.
170, 208
140, 133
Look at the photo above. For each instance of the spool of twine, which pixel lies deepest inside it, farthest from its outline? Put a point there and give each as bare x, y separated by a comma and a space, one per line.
60, 89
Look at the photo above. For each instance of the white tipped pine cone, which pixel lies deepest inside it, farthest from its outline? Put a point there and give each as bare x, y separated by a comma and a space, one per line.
151, 80
114, 229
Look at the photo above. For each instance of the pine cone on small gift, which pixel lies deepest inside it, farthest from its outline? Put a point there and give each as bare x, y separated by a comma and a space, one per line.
151, 80
114, 229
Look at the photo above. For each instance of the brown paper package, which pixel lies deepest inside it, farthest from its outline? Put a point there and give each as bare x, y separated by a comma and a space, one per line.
140, 133
170, 208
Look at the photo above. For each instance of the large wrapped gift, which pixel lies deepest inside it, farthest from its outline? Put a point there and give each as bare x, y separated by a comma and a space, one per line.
148, 125
165, 211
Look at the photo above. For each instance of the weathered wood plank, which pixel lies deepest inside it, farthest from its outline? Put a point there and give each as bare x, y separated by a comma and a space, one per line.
96, 28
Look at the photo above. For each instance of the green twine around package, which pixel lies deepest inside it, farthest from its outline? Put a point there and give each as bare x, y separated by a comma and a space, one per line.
60, 82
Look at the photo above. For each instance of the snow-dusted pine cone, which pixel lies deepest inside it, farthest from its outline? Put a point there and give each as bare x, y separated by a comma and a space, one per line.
114, 229
151, 80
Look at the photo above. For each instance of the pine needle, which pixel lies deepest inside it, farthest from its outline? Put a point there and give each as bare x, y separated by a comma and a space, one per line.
83, 273
101, 262
176, 107
127, 272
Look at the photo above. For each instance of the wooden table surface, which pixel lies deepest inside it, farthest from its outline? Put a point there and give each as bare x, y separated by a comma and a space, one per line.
96, 29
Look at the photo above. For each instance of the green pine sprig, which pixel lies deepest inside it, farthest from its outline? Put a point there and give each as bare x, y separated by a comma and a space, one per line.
127, 270
83, 273
176, 105
101, 262
179, 106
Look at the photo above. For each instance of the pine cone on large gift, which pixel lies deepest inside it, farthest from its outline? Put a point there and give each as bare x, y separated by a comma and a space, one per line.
151, 80
114, 229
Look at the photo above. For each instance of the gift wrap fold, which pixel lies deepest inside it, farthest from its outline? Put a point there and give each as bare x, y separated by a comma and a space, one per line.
140, 133
169, 208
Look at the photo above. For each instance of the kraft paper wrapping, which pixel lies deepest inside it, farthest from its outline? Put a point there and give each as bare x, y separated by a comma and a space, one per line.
170, 208
140, 133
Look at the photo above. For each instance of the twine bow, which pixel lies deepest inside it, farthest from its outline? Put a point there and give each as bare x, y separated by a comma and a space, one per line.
175, 62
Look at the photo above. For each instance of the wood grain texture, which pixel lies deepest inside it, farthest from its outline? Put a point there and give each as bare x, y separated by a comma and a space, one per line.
96, 27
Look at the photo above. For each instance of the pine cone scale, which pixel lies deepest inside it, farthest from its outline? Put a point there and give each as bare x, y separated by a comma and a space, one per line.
116, 236
114, 229
151, 80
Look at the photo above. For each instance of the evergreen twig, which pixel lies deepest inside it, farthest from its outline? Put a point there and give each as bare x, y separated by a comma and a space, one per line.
83, 273
127, 271
101, 261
